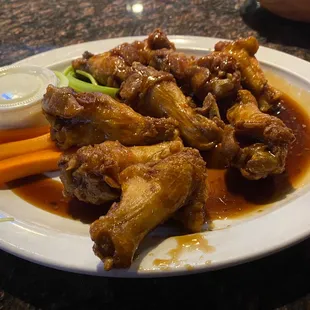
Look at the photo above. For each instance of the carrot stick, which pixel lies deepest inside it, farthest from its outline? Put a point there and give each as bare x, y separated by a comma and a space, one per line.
17, 148
10, 135
28, 164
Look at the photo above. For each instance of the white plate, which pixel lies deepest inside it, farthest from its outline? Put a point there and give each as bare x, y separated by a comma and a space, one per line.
64, 244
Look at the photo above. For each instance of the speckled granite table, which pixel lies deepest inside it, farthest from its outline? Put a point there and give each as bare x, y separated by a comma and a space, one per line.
281, 281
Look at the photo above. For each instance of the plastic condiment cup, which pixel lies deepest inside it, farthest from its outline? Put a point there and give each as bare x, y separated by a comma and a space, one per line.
21, 92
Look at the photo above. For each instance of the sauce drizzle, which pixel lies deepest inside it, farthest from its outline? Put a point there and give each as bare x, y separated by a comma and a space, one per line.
186, 243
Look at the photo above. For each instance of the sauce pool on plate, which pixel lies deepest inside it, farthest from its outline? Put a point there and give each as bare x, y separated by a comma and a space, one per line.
46, 193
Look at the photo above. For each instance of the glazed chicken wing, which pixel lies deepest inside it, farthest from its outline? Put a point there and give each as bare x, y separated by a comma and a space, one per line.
244, 51
107, 69
151, 194
159, 40
256, 161
92, 173
79, 119
247, 119
216, 73
253, 78
112, 67
156, 94
266, 156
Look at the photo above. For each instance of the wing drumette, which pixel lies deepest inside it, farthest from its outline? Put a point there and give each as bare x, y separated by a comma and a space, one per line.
253, 78
247, 119
268, 155
79, 119
256, 161
151, 194
92, 173
156, 94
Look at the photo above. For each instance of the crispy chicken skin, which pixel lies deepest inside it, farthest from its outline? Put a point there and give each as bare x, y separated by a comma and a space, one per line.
79, 119
151, 194
253, 78
92, 173
155, 93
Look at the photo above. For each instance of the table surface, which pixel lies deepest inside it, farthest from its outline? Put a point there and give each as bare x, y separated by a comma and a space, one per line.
280, 281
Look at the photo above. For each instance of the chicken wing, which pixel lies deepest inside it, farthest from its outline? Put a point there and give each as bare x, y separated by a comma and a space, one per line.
255, 161
92, 173
258, 161
107, 69
216, 73
155, 93
268, 155
159, 40
151, 194
247, 119
79, 119
112, 67
253, 78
